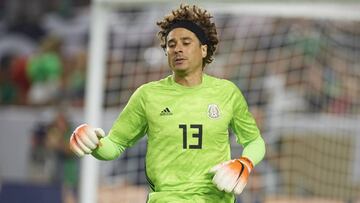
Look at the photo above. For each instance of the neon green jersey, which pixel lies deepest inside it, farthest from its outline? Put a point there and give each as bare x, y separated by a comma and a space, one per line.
187, 134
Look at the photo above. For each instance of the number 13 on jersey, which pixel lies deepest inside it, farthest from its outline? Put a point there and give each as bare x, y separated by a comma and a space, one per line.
197, 135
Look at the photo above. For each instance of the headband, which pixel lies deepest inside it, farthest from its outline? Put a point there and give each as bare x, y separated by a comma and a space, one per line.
193, 27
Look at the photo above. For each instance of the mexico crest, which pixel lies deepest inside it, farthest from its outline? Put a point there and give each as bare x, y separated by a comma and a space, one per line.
213, 111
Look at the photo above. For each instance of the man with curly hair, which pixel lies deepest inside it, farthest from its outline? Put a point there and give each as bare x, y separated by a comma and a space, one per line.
186, 117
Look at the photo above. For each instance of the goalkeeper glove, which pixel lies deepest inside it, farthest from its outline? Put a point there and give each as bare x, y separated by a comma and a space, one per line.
232, 176
85, 139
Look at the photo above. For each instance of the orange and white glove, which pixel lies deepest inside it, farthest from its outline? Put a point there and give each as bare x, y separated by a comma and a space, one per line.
232, 176
85, 139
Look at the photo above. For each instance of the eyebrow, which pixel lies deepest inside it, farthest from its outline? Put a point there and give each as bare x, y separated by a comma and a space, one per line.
182, 39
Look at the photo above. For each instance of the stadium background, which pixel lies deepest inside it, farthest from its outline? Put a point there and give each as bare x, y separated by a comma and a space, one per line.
300, 76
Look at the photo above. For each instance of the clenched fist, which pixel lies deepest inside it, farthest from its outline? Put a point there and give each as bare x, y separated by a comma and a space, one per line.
85, 139
232, 175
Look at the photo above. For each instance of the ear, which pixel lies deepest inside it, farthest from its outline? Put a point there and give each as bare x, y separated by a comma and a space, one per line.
204, 50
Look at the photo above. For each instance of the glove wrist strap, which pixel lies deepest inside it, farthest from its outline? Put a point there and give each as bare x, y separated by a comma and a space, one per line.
247, 161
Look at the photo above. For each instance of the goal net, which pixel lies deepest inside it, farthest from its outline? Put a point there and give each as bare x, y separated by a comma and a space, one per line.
300, 73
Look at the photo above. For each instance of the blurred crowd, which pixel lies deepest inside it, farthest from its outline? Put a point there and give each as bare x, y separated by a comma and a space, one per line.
43, 57
42, 78
51, 160
42, 54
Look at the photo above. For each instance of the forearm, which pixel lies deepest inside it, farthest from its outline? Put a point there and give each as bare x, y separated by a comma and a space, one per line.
108, 150
255, 150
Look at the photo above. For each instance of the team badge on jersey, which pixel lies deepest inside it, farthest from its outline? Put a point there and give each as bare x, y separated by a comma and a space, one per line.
213, 111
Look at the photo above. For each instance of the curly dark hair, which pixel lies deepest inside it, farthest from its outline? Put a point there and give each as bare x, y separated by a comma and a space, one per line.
200, 17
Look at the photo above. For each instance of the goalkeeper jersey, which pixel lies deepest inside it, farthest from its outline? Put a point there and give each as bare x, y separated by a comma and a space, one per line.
187, 134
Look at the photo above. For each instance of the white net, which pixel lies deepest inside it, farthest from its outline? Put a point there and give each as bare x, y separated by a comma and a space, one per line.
301, 79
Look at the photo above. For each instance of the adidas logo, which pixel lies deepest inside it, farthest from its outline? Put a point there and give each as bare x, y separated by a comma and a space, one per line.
166, 112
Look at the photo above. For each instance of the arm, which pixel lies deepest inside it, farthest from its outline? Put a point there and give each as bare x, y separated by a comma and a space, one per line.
88, 140
255, 150
245, 128
233, 175
128, 128
107, 150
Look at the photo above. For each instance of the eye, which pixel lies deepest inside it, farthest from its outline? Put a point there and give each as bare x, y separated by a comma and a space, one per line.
171, 44
186, 42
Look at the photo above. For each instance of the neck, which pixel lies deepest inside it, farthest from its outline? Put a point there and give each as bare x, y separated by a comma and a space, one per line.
188, 80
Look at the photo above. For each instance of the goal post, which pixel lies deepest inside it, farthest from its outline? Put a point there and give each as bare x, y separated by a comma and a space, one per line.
252, 50
94, 95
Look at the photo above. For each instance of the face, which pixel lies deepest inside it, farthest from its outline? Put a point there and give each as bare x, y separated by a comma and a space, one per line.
184, 51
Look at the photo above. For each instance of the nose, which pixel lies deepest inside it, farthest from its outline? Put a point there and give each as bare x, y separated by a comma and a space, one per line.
178, 48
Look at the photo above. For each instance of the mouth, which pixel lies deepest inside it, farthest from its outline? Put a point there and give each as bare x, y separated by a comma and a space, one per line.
179, 61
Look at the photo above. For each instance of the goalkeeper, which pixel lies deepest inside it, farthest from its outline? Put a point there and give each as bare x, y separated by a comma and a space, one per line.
186, 117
